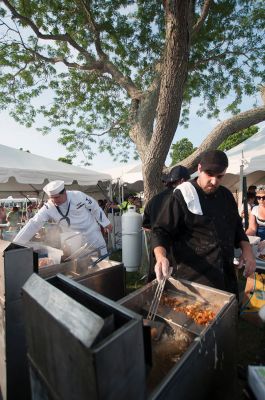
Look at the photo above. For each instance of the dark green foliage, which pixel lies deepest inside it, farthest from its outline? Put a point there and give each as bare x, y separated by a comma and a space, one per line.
180, 150
237, 138
66, 160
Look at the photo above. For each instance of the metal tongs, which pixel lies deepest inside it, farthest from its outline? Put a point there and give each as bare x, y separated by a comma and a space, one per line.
156, 300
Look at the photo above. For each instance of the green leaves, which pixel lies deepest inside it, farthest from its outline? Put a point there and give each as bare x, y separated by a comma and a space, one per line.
72, 62
237, 138
180, 150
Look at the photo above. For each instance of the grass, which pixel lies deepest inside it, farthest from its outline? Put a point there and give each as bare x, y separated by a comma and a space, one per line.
134, 280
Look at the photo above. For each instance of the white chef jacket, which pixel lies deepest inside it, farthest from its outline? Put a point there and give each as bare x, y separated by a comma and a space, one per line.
84, 214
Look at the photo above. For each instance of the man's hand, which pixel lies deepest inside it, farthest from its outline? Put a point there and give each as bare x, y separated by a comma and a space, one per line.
108, 228
162, 269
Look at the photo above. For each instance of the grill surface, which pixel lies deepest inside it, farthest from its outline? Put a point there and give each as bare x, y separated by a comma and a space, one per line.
194, 361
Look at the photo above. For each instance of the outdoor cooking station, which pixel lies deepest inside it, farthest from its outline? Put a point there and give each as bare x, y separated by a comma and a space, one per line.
106, 277
123, 350
17, 263
202, 362
16, 266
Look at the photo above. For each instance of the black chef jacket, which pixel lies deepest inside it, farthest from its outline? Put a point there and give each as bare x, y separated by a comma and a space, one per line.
150, 213
153, 206
203, 244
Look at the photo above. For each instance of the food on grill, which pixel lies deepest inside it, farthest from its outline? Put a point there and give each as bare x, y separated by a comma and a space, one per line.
199, 314
166, 353
154, 333
171, 302
45, 261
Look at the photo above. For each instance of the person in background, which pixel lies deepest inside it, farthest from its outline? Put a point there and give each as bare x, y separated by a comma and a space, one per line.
256, 225
72, 210
177, 175
252, 189
2, 215
40, 205
202, 222
13, 218
30, 212
138, 205
128, 200
101, 203
251, 202
112, 207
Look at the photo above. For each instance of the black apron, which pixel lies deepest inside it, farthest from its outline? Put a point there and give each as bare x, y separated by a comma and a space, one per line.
205, 253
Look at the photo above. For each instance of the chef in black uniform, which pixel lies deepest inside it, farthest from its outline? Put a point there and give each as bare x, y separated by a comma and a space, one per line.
202, 222
177, 175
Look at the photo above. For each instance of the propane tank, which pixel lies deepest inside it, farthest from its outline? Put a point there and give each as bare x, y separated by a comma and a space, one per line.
131, 239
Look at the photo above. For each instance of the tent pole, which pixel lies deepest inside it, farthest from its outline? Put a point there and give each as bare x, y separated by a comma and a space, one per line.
245, 202
240, 192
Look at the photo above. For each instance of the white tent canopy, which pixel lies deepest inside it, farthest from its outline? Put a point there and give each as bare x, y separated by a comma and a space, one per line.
23, 172
253, 158
251, 153
127, 173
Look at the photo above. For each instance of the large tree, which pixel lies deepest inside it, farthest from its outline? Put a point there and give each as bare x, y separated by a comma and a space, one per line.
126, 71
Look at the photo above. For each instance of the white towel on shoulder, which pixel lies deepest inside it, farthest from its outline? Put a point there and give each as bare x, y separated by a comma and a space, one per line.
191, 197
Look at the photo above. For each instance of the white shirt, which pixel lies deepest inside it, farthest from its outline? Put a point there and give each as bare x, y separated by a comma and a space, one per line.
84, 214
255, 212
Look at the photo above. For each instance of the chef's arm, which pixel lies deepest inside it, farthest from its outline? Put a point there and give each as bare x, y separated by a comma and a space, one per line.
164, 229
99, 215
31, 228
247, 258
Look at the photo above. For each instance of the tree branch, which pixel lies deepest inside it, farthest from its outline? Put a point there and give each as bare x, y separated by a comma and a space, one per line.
92, 26
222, 131
219, 58
114, 125
59, 37
204, 13
103, 66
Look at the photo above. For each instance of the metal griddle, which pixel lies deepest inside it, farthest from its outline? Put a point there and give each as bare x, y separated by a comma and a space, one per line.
205, 354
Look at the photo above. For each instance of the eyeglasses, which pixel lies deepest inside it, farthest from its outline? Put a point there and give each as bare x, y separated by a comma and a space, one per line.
260, 197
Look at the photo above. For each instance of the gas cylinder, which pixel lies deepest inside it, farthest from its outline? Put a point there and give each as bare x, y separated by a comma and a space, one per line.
131, 239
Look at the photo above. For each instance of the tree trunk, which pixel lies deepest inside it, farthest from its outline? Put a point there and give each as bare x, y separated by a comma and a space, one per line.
173, 77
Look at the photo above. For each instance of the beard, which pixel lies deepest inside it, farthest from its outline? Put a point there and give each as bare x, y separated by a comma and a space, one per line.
210, 189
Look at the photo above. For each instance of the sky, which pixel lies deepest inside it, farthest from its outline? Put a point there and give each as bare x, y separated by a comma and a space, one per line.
14, 135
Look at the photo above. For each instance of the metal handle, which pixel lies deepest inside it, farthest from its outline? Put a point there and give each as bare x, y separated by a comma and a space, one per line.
156, 300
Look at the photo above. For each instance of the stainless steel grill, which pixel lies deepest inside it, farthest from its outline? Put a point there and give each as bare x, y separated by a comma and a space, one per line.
16, 265
107, 277
192, 361
63, 365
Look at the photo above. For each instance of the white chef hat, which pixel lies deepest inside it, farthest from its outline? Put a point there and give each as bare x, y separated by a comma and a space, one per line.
54, 187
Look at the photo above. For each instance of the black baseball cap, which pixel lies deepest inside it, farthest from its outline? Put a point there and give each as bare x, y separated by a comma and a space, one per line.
215, 161
177, 173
